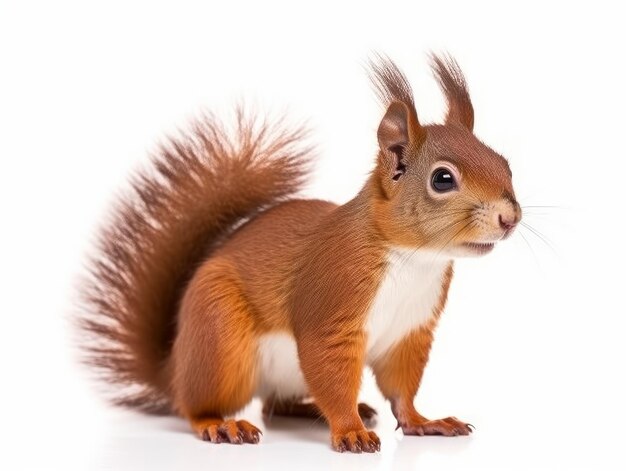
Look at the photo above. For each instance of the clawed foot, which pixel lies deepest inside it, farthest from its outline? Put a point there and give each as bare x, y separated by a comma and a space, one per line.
449, 427
230, 431
356, 442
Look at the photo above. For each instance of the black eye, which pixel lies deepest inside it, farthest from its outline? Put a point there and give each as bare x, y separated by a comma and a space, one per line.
443, 180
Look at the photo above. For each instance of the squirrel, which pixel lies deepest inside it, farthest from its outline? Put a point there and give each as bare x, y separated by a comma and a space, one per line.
213, 283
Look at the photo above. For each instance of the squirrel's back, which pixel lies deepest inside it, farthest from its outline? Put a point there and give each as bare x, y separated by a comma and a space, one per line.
264, 253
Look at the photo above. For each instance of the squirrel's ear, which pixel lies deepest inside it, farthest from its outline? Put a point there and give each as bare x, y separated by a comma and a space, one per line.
398, 129
454, 87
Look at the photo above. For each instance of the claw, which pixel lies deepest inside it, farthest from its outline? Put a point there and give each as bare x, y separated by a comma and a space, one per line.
357, 441
228, 431
450, 427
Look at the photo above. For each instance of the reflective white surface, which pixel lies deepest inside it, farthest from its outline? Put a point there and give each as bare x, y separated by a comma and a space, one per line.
76, 432
531, 346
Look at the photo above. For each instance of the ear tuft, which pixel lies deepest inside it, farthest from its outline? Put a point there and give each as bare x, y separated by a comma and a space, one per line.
399, 129
453, 84
390, 83
393, 138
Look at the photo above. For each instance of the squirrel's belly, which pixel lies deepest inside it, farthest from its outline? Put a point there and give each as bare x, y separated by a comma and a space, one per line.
278, 368
406, 298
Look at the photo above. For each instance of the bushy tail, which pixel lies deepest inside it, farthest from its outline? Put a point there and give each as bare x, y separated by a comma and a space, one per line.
198, 188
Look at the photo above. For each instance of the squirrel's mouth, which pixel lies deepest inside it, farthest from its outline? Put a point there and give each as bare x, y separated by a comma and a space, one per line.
480, 248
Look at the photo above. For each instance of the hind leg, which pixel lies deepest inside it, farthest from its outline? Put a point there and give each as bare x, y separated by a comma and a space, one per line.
214, 356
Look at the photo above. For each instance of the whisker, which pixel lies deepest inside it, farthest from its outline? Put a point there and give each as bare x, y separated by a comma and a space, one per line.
469, 224
529, 248
439, 232
539, 235
528, 214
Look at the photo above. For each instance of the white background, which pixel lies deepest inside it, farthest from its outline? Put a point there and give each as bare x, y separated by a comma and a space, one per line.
531, 347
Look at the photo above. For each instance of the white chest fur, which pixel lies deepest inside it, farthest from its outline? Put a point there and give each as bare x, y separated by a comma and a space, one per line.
406, 298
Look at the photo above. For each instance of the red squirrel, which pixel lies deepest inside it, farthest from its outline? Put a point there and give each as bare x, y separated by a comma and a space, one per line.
213, 284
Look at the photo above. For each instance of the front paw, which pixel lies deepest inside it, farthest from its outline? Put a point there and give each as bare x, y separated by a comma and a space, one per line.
449, 427
356, 441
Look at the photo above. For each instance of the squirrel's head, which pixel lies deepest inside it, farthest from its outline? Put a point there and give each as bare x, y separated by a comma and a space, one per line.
437, 186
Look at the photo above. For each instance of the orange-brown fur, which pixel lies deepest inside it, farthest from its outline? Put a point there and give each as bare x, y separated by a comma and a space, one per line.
208, 256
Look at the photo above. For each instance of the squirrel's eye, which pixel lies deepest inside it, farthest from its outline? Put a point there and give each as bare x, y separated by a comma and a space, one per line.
443, 180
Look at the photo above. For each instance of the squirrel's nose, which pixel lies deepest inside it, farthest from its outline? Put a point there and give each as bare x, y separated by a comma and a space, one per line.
509, 216
507, 222
506, 214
